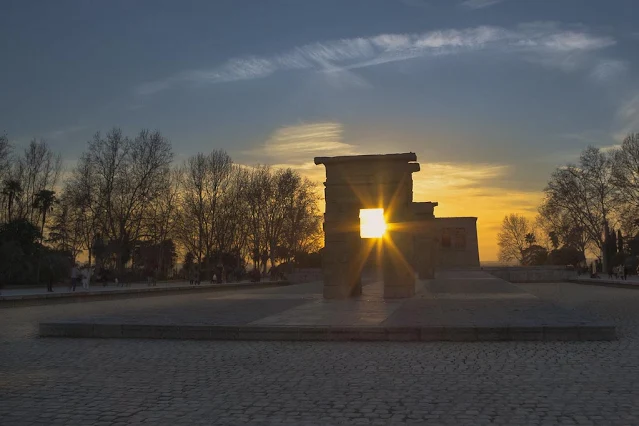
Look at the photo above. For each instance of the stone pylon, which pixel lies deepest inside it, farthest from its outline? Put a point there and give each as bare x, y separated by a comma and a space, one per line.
365, 182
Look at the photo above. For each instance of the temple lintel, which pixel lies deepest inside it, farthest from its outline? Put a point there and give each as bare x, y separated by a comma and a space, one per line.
405, 157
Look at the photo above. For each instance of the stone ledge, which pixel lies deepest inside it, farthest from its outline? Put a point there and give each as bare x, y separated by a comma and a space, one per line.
124, 293
605, 283
589, 332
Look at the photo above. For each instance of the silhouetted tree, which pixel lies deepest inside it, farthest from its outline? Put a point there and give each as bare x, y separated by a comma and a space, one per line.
566, 255
513, 238
584, 194
65, 231
5, 152
36, 169
43, 203
204, 181
125, 176
530, 239
554, 239
620, 246
11, 191
19, 245
534, 255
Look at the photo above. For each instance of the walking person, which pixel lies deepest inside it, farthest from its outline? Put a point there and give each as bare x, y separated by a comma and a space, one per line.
51, 273
149, 275
75, 276
620, 272
86, 278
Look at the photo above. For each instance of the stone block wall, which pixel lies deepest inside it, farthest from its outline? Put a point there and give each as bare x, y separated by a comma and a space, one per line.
532, 274
453, 256
362, 182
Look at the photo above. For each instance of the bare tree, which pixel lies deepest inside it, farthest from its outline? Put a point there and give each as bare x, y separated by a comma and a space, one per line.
514, 237
5, 152
258, 193
626, 170
125, 178
162, 219
585, 193
11, 192
87, 205
302, 218
220, 168
43, 203
65, 232
37, 169
192, 223
232, 213
561, 229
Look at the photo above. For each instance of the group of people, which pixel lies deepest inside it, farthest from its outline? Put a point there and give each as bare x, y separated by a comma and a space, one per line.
80, 276
619, 272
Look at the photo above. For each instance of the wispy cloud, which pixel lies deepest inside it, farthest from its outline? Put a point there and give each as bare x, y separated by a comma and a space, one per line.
479, 4
607, 69
448, 176
296, 145
548, 43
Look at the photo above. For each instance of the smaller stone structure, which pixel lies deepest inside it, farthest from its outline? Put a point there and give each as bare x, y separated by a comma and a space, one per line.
457, 242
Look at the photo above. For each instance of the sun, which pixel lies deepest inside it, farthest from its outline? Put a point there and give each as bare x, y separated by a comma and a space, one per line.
372, 223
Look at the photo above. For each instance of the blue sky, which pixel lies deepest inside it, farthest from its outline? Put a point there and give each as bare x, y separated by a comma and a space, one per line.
492, 95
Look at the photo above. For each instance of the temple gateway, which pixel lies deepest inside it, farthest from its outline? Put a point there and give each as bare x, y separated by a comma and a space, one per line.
410, 241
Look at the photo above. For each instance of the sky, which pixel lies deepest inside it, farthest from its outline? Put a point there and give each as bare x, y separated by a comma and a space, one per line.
492, 95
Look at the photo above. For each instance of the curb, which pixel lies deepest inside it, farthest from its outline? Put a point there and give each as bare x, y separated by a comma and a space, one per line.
583, 332
605, 283
124, 293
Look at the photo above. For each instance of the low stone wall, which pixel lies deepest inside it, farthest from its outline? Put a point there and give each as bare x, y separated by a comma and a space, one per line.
581, 332
532, 274
126, 293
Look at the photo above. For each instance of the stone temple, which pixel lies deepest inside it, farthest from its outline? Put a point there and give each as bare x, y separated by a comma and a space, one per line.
415, 243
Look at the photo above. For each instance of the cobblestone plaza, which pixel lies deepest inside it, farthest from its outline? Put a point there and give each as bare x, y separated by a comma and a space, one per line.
53, 381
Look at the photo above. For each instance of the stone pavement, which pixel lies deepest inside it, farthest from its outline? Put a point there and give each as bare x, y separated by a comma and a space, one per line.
166, 382
163, 382
458, 305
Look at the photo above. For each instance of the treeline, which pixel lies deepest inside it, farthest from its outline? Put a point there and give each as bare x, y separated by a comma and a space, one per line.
589, 208
128, 208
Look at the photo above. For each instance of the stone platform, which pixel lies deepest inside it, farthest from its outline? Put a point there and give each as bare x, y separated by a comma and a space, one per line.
456, 306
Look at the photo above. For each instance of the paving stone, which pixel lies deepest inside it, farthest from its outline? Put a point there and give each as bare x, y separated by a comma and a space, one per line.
168, 382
